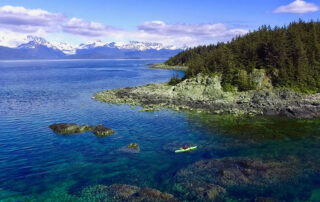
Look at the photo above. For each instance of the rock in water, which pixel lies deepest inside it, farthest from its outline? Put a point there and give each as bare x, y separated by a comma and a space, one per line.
122, 192
133, 145
131, 148
70, 128
101, 131
208, 180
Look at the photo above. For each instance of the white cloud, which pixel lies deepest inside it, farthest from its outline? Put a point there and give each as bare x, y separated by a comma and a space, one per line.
90, 29
19, 20
11, 39
218, 30
298, 6
190, 34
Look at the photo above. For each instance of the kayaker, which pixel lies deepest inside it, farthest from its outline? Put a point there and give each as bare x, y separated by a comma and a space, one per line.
185, 147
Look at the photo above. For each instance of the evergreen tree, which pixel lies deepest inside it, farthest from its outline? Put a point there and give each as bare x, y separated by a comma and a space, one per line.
290, 55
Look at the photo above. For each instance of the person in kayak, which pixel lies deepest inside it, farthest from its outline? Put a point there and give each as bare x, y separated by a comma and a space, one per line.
185, 147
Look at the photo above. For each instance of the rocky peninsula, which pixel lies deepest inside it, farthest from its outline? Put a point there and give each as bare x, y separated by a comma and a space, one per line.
205, 93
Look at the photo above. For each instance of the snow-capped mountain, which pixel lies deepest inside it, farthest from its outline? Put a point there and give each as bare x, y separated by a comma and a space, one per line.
33, 47
143, 46
34, 41
93, 44
66, 48
132, 45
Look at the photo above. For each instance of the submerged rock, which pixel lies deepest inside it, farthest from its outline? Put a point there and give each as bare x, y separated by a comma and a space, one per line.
208, 180
194, 191
264, 199
101, 131
131, 148
72, 128
122, 192
240, 172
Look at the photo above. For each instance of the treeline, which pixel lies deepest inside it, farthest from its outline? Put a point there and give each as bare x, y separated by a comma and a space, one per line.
290, 56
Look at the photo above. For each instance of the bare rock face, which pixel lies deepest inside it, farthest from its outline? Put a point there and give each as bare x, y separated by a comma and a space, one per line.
122, 192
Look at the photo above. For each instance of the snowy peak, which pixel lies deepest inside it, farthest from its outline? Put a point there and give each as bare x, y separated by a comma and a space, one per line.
66, 48
140, 45
33, 42
136, 45
93, 44
37, 40
132, 45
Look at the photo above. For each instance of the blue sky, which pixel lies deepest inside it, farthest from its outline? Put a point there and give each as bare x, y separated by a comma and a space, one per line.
176, 22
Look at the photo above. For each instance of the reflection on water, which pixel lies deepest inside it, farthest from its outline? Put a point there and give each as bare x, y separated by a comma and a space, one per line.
37, 164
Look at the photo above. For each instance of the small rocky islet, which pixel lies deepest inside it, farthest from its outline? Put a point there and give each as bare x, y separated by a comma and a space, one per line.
72, 128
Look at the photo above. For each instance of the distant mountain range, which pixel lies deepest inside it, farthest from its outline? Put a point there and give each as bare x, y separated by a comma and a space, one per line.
40, 48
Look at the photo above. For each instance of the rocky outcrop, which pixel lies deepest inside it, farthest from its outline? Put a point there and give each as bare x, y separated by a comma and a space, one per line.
122, 192
72, 128
101, 131
204, 92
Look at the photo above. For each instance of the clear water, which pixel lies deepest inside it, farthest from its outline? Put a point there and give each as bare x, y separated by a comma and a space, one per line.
37, 164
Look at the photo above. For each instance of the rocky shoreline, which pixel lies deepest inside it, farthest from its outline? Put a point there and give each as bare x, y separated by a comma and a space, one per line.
205, 93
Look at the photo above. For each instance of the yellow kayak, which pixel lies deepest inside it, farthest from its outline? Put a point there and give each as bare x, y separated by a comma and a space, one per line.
185, 150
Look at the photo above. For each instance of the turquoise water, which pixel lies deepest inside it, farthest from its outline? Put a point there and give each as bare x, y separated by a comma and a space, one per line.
37, 164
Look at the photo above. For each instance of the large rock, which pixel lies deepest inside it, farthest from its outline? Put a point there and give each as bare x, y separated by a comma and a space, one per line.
101, 131
121, 192
72, 128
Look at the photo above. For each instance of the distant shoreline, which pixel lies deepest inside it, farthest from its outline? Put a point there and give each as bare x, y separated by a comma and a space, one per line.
168, 67
64, 60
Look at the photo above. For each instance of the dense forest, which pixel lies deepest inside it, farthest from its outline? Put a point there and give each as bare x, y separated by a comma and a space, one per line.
290, 56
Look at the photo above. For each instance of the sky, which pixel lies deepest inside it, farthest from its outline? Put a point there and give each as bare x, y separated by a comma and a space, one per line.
170, 22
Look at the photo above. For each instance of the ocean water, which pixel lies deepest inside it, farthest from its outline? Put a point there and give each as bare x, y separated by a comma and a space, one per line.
37, 164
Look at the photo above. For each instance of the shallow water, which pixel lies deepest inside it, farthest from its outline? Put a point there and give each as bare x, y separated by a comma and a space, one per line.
37, 164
